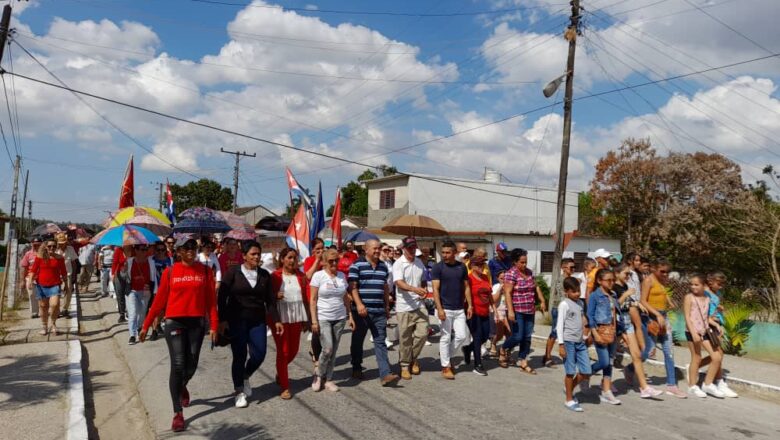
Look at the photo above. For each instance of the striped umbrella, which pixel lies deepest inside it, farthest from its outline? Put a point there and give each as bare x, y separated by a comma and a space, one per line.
125, 235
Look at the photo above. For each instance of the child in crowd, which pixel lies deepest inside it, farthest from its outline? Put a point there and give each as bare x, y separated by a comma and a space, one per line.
571, 341
602, 318
698, 333
502, 323
716, 281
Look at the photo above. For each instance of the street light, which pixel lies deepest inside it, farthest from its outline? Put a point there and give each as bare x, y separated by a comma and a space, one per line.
553, 85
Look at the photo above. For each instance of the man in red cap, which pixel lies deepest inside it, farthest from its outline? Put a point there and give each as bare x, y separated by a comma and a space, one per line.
409, 279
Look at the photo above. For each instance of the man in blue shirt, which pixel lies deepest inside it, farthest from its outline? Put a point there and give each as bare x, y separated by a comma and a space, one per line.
501, 262
450, 291
369, 288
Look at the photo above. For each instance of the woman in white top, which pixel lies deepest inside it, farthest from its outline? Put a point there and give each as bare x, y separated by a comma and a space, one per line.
208, 258
292, 301
502, 324
329, 304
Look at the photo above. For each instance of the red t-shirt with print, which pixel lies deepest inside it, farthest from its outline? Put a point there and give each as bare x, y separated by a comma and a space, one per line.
480, 295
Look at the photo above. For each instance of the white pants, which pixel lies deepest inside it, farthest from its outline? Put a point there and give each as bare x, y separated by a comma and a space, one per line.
456, 320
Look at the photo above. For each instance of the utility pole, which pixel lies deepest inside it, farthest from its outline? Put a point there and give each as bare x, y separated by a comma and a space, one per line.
5, 26
29, 215
15, 194
160, 197
571, 35
24, 202
238, 155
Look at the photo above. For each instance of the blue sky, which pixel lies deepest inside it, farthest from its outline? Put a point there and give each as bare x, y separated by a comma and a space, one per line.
359, 85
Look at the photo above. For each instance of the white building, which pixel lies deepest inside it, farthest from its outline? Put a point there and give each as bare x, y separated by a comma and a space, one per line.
482, 213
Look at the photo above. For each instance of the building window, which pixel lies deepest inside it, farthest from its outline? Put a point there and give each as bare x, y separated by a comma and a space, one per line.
387, 199
547, 261
579, 260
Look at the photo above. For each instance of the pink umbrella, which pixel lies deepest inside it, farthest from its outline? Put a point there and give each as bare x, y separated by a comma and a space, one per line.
242, 234
240, 229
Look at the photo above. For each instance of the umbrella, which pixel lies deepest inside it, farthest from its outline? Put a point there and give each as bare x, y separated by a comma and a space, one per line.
124, 235
360, 236
242, 234
46, 229
125, 215
201, 220
240, 229
146, 221
415, 226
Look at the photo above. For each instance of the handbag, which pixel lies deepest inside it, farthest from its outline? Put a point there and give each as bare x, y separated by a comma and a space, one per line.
654, 328
607, 331
711, 334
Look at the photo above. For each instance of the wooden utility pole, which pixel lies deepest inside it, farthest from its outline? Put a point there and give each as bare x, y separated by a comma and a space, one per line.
15, 194
238, 155
5, 25
24, 202
571, 35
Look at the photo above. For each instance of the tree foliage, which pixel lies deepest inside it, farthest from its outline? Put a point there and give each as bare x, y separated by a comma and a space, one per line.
203, 192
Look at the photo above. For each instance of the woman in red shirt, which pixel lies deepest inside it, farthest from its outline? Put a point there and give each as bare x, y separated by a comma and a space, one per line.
186, 295
482, 299
48, 272
292, 299
143, 278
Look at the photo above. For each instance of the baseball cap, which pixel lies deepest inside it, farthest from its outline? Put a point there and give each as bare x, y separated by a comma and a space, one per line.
501, 246
187, 242
408, 242
601, 253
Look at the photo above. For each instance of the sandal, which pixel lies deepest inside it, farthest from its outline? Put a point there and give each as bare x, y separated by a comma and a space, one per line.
527, 369
502, 359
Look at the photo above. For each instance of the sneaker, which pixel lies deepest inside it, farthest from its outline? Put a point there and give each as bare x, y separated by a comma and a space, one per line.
724, 388
573, 406
131, 341
357, 374
405, 374
389, 343
154, 335
247, 388
696, 391
390, 379
415, 368
331, 386
178, 422
316, 384
673, 390
427, 342
241, 400
479, 370
649, 392
712, 390
121, 319
447, 373
608, 397
185, 397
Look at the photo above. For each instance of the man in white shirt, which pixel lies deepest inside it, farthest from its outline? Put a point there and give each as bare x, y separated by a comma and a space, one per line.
409, 279
87, 260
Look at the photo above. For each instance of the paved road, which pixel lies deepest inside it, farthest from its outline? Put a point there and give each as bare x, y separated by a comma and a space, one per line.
506, 404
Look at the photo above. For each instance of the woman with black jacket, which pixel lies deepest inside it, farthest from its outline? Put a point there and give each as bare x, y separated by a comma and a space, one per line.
245, 297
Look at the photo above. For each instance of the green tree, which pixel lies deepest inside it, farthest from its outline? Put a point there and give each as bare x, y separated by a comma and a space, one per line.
203, 192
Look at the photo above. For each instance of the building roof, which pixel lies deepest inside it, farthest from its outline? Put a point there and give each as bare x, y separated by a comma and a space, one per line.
360, 222
463, 181
245, 209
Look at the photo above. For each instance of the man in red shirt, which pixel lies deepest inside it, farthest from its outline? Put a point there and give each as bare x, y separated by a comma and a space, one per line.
231, 256
143, 277
27, 262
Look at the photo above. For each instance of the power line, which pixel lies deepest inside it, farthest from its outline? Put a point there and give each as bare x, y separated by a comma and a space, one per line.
386, 13
727, 26
5, 143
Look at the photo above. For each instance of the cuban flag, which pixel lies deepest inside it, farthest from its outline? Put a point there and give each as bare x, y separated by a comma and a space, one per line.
170, 210
297, 189
297, 236
318, 217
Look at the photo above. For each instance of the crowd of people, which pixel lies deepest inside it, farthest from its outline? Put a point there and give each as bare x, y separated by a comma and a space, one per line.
483, 308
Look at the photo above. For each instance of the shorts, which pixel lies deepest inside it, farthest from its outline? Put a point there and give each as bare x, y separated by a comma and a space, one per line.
625, 324
44, 293
577, 359
554, 329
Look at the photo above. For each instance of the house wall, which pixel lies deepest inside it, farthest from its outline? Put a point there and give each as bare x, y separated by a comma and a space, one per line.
257, 214
377, 218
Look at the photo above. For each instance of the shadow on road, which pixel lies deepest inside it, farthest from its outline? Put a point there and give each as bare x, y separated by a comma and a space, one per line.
30, 379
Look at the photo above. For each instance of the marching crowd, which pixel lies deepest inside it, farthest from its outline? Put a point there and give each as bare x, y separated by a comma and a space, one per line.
485, 307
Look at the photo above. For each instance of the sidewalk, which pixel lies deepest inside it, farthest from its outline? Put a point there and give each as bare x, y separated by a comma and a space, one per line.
41, 392
758, 376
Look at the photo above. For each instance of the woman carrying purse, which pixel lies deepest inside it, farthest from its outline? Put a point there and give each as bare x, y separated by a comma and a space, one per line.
602, 317
699, 333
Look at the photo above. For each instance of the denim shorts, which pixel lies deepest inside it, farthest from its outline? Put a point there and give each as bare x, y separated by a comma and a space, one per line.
577, 359
625, 325
46, 292
554, 329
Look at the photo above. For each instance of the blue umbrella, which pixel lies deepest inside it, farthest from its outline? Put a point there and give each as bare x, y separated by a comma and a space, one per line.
360, 236
201, 226
124, 235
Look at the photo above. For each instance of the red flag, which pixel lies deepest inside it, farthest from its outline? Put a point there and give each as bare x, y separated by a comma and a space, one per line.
335, 221
127, 195
298, 232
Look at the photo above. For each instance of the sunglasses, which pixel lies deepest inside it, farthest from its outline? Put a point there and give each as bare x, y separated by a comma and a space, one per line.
332, 261
51, 246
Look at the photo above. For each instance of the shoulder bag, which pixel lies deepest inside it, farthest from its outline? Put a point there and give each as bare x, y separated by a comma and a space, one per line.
711, 334
607, 331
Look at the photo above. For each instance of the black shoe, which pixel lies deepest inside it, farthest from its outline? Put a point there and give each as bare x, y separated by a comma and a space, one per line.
466, 356
478, 369
131, 341
122, 319
153, 336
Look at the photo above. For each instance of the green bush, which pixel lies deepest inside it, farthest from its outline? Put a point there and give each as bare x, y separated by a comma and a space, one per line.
736, 329
545, 288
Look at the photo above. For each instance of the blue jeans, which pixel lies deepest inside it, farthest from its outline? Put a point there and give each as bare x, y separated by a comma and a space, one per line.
522, 329
136, 310
605, 355
376, 322
554, 329
666, 345
246, 334
105, 278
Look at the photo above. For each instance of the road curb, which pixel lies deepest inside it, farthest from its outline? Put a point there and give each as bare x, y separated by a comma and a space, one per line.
749, 384
76, 418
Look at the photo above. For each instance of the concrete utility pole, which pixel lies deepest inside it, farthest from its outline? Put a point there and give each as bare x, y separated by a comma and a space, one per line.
24, 202
238, 155
571, 34
15, 194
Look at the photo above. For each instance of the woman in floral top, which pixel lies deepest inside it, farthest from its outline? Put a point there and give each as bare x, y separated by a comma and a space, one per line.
519, 289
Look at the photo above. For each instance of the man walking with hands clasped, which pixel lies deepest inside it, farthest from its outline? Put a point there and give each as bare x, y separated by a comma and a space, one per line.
450, 291
409, 279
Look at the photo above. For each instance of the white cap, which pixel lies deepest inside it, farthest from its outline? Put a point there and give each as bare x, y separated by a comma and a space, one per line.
601, 253
418, 253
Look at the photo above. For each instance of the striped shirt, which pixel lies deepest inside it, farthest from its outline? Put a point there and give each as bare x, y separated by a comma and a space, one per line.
523, 290
371, 282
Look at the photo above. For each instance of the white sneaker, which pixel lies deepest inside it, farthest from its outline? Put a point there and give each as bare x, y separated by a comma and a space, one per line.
247, 388
724, 388
713, 391
389, 343
427, 342
608, 397
696, 391
241, 400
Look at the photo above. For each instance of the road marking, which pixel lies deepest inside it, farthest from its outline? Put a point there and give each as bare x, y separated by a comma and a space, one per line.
76, 418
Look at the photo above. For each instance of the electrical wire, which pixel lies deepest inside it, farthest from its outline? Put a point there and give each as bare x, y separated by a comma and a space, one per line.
727, 26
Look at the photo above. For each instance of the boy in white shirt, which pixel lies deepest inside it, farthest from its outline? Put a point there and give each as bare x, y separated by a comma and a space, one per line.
571, 341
